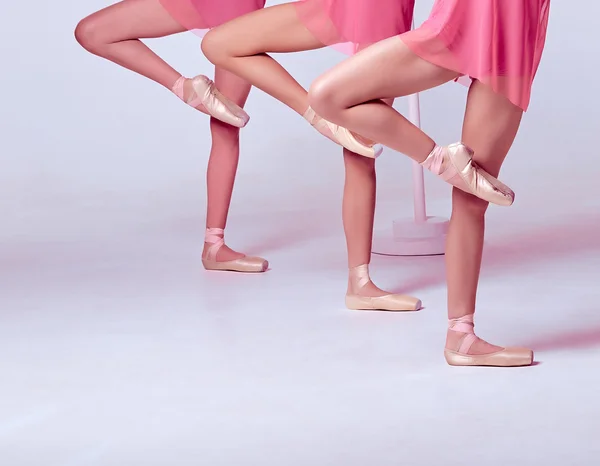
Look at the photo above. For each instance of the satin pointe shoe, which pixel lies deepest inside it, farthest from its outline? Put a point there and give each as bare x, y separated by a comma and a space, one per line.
207, 96
359, 278
246, 264
341, 136
455, 165
459, 356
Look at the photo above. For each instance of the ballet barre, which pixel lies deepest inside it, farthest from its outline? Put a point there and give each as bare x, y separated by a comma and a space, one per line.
421, 235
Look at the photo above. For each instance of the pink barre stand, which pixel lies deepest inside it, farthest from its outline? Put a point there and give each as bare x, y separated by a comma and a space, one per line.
421, 235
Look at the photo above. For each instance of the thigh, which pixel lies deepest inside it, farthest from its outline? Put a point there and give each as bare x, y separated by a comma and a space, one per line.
232, 86
384, 70
275, 29
133, 19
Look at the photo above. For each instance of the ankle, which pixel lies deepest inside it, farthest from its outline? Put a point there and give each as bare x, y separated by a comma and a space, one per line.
453, 339
177, 87
358, 278
213, 235
434, 160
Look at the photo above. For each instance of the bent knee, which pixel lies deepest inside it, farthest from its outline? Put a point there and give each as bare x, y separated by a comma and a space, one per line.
88, 34
467, 204
323, 98
224, 134
214, 46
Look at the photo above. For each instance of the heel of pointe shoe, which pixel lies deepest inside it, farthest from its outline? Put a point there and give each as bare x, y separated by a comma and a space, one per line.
346, 139
341, 136
217, 104
212, 100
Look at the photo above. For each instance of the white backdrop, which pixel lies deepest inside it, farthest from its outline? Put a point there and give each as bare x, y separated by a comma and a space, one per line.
89, 148
118, 349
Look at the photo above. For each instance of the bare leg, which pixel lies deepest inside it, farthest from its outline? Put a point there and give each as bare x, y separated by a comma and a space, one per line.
241, 46
114, 33
223, 161
348, 93
358, 214
358, 208
490, 126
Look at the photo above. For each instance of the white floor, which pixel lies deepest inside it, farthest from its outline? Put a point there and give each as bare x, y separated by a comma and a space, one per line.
118, 349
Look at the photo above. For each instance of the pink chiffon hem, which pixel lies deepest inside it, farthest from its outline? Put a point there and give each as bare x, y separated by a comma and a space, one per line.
350, 25
201, 15
498, 42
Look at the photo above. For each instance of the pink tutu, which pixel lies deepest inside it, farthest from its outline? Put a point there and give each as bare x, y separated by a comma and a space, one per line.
207, 14
352, 24
498, 42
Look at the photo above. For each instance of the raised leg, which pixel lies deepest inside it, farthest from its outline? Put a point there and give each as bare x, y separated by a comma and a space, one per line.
114, 33
349, 96
241, 46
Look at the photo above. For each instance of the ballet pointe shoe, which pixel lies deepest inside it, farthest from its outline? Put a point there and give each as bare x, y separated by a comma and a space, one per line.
246, 264
341, 136
359, 278
455, 165
459, 356
206, 96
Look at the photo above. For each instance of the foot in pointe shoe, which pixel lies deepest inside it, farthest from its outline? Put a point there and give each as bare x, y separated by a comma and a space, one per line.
455, 165
363, 295
240, 263
342, 136
464, 348
201, 93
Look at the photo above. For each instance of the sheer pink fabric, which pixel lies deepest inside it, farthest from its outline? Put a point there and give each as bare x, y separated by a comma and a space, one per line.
200, 15
498, 42
352, 24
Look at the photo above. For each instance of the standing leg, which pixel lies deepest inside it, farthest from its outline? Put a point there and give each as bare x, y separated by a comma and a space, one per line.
358, 208
223, 162
358, 214
114, 33
490, 127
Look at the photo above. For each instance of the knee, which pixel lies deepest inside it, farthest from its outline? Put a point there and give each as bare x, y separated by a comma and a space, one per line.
224, 136
213, 47
88, 34
323, 98
357, 164
464, 204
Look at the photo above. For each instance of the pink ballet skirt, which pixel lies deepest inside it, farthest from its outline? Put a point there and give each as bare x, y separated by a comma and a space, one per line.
498, 42
349, 25
201, 15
